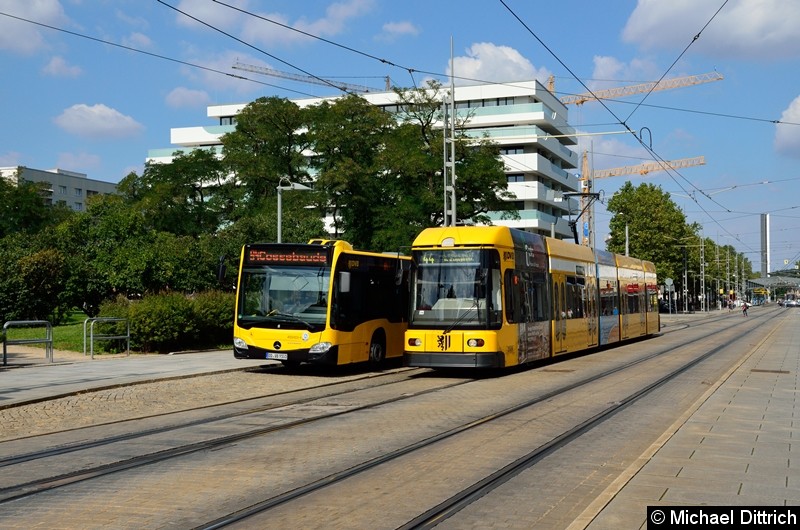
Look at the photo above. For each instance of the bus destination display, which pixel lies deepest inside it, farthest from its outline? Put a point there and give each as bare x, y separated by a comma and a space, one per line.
286, 256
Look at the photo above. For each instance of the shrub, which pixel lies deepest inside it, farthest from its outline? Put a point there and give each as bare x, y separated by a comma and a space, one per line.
172, 321
162, 323
213, 312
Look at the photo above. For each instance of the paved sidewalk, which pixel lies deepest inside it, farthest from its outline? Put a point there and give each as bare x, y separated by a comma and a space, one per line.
30, 377
734, 448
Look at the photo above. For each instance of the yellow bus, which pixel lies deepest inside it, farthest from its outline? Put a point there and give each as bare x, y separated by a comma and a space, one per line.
321, 302
493, 296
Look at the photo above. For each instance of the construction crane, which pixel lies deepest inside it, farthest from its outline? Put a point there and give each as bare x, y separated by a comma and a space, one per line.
349, 87
587, 178
621, 92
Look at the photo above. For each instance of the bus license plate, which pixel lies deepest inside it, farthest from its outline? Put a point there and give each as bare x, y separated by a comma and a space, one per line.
278, 356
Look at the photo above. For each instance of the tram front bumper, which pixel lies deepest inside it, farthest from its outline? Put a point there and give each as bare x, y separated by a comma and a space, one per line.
454, 360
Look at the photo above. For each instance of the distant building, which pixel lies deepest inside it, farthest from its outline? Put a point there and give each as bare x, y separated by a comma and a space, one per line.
523, 118
64, 187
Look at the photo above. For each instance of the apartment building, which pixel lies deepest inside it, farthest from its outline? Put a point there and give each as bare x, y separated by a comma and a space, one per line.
63, 187
527, 122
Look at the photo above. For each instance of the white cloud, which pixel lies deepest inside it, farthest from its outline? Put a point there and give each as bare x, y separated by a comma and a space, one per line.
336, 17
489, 62
335, 21
211, 12
12, 158
610, 72
394, 30
754, 29
223, 62
58, 67
78, 161
183, 97
23, 37
97, 121
138, 40
135, 21
787, 137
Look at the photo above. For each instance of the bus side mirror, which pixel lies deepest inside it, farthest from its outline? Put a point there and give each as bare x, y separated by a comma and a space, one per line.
399, 273
344, 282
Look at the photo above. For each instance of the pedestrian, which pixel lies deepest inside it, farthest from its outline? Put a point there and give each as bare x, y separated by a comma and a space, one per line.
744, 309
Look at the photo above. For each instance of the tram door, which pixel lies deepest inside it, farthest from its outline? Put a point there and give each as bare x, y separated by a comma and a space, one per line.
559, 314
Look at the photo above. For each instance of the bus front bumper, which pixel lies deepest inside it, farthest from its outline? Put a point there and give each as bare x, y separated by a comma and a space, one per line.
288, 356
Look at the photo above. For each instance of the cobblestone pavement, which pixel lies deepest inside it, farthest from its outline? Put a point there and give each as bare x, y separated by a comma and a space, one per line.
134, 401
146, 399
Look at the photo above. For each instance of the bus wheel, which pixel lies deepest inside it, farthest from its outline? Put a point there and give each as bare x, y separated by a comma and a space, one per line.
377, 350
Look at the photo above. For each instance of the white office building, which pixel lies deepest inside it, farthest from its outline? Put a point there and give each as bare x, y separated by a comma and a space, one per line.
63, 187
524, 119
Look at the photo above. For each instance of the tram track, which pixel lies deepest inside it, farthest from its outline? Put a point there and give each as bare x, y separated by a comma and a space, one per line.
465, 497
357, 385
28, 488
721, 337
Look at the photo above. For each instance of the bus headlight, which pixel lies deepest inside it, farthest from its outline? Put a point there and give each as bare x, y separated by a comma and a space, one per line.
320, 347
475, 343
415, 342
239, 343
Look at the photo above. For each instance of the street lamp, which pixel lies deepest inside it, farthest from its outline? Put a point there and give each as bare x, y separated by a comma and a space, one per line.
280, 188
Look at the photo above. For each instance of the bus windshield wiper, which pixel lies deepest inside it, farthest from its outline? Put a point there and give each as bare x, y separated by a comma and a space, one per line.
287, 317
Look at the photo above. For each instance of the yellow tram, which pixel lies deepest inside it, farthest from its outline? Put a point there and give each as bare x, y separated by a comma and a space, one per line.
493, 296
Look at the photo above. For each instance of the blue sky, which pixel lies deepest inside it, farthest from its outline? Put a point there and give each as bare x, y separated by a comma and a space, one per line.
76, 103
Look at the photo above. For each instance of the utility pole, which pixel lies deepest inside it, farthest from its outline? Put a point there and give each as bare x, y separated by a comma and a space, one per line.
728, 274
449, 151
703, 271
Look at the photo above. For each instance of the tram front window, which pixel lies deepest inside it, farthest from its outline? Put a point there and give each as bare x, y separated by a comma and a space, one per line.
456, 288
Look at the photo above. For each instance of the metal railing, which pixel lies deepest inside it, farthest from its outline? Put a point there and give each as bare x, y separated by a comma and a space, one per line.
93, 337
47, 340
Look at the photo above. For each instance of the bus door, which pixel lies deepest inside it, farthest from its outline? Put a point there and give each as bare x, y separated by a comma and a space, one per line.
559, 314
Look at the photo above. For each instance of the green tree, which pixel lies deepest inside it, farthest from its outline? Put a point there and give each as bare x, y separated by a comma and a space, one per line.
411, 164
181, 197
23, 209
346, 137
32, 278
268, 144
656, 226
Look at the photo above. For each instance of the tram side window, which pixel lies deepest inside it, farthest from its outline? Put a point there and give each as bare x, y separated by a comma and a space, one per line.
652, 302
609, 303
541, 303
576, 296
633, 303
525, 297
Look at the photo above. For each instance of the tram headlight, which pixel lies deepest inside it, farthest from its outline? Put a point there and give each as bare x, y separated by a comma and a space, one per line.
475, 343
414, 342
320, 347
239, 343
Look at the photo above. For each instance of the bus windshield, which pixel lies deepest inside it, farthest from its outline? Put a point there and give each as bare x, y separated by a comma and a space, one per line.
284, 296
456, 288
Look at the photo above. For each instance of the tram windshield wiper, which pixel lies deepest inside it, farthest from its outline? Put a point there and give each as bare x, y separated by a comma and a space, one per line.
475, 305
